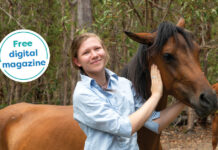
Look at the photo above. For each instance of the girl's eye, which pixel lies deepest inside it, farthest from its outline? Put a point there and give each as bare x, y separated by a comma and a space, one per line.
97, 48
86, 52
168, 57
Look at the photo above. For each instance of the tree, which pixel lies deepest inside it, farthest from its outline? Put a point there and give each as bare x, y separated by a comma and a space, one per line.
84, 14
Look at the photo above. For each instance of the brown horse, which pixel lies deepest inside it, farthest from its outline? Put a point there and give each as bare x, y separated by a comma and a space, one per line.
39, 127
215, 122
45, 127
176, 54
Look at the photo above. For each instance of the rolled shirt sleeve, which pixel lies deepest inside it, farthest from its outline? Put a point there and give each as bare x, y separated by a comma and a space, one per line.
91, 110
150, 124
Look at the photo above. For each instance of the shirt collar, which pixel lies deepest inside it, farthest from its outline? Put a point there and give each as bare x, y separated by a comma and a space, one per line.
89, 81
111, 74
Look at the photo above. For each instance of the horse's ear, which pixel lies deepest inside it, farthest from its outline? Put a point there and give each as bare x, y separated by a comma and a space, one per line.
181, 23
143, 38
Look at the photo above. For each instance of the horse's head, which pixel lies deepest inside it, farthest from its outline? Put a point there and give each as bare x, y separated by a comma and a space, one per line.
176, 54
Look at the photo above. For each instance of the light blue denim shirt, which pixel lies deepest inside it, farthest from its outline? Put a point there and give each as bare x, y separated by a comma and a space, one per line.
103, 115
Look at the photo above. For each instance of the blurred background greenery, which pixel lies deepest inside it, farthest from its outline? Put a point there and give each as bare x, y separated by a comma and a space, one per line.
58, 21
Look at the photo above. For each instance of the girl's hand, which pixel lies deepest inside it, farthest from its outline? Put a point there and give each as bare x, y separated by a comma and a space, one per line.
156, 82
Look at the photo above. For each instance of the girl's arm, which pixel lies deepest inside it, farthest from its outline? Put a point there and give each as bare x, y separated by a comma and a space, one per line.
139, 117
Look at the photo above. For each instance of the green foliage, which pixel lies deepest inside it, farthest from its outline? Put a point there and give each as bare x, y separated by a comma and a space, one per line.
213, 66
201, 18
110, 19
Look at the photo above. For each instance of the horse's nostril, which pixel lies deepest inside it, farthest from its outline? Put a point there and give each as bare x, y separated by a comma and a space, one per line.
204, 100
201, 96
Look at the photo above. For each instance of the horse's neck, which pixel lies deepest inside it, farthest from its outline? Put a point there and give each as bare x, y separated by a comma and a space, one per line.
163, 102
148, 139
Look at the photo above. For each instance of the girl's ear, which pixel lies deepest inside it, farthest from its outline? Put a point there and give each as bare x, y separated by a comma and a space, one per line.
75, 61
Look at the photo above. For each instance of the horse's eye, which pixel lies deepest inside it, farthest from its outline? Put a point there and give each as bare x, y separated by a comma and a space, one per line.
168, 57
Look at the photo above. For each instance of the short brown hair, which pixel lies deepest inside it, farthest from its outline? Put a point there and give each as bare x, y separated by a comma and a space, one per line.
77, 42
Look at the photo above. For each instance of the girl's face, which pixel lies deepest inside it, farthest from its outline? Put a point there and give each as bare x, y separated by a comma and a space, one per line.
91, 56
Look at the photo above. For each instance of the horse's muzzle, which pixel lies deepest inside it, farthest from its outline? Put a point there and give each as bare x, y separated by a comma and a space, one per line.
207, 104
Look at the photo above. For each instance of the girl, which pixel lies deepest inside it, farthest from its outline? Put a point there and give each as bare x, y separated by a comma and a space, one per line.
106, 105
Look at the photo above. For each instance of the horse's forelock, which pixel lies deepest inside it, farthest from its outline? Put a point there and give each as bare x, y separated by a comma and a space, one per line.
187, 36
164, 32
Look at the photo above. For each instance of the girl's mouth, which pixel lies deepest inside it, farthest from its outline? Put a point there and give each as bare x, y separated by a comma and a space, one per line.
96, 61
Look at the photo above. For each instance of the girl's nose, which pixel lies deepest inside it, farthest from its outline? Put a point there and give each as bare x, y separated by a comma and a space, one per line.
94, 53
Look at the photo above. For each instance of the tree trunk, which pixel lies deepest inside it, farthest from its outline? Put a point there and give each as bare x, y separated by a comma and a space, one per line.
124, 47
48, 95
151, 15
56, 93
191, 118
74, 73
146, 15
64, 58
11, 92
2, 101
18, 91
84, 14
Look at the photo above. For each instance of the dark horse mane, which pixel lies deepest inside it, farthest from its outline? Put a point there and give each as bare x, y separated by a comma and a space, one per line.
137, 70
